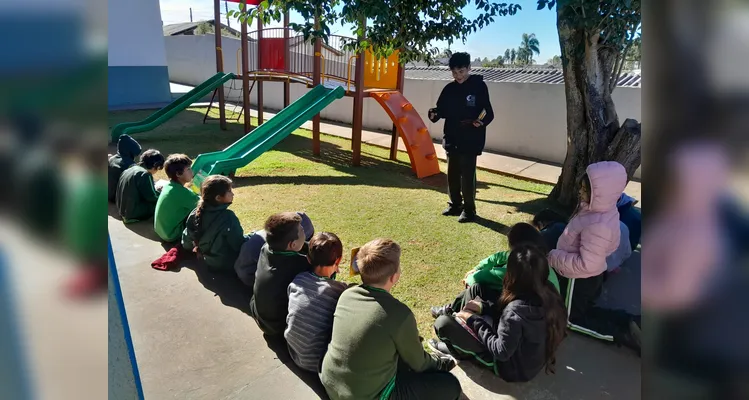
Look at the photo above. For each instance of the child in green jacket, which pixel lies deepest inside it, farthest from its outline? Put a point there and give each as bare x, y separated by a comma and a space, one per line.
136, 195
489, 274
176, 201
212, 230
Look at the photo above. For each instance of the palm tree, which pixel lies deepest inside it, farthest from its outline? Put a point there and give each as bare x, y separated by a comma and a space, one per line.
529, 45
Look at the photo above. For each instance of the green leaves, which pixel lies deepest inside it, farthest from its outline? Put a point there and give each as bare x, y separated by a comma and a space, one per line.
546, 3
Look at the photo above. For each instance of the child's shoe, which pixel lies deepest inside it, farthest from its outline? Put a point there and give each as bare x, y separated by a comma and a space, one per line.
442, 310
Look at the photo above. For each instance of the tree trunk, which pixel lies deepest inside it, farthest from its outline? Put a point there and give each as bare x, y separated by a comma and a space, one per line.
593, 130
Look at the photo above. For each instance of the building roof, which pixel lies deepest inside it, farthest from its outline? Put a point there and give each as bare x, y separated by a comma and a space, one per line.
516, 75
182, 27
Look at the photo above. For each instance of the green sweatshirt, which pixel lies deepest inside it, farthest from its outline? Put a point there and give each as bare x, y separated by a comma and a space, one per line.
491, 272
174, 205
136, 196
83, 229
371, 331
220, 236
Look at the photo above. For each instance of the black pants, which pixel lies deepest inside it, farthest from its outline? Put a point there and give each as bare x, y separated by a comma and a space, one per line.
424, 385
461, 181
471, 293
461, 342
585, 317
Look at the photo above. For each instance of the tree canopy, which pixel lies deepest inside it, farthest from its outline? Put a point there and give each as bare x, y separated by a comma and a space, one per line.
391, 24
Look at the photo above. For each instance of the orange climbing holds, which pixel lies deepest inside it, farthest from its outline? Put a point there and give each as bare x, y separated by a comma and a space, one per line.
412, 130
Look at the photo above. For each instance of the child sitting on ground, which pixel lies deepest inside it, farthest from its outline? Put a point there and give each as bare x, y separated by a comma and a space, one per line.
530, 326
487, 278
280, 261
313, 296
591, 236
374, 350
212, 230
136, 195
127, 150
176, 201
246, 264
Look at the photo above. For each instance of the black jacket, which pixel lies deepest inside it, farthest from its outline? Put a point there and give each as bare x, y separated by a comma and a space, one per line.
460, 104
270, 301
127, 150
517, 342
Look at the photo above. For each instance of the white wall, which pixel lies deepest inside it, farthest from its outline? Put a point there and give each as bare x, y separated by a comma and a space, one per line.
529, 118
135, 33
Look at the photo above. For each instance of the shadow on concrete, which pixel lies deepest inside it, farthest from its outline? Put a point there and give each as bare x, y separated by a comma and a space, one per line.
232, 292
141, 228
278, 345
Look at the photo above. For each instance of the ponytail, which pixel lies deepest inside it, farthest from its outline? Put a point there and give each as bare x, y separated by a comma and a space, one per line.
213, 186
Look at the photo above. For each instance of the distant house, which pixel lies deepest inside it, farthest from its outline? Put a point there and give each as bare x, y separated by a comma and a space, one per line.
189, 28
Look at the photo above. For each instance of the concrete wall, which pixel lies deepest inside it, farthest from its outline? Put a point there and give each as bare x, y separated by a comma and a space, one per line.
530, 118
138, 72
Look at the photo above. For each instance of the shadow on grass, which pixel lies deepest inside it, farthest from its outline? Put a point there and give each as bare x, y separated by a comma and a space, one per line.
531, 207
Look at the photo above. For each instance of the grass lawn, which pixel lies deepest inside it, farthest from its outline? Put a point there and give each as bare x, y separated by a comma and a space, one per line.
381, 198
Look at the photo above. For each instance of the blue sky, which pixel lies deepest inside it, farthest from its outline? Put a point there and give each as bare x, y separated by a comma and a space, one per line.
490, 42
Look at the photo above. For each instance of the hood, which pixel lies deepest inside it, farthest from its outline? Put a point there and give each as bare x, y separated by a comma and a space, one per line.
607, 182
309, 229
473, 79
534, 319
127, 147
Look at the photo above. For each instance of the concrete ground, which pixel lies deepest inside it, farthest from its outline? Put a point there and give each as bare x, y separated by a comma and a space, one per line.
194, 340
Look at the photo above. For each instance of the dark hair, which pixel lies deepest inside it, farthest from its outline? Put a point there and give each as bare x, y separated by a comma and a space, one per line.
282, 228
151, 159
325, 249
175, 165
584, 181
527, 278
523, 233
460, 60
213, 186
547, 217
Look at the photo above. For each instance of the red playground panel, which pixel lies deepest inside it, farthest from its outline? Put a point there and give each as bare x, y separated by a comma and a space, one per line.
272, 52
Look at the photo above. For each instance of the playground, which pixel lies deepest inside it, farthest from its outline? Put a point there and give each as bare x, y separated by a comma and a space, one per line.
191, 333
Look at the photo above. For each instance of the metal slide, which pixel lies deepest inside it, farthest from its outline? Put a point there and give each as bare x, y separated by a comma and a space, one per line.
264, 137
164, 114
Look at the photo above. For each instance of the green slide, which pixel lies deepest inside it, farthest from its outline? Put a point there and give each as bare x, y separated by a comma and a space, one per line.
164, 114
264, 137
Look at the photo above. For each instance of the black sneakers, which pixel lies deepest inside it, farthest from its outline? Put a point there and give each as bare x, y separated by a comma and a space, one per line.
452, 211
465, 217
442, 310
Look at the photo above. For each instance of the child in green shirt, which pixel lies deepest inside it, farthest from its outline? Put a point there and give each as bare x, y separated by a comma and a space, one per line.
490, 272
176, 201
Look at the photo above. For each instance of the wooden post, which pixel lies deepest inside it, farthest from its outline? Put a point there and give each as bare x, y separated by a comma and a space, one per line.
287, 62
245, 77
259, 63
394, 137
358, 103
219, 61
316, 79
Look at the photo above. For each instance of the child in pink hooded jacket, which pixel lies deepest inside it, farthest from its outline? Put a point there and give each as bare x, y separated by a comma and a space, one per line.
592, 234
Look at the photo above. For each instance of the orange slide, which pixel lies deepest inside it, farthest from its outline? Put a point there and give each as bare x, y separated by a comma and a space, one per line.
412, 130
